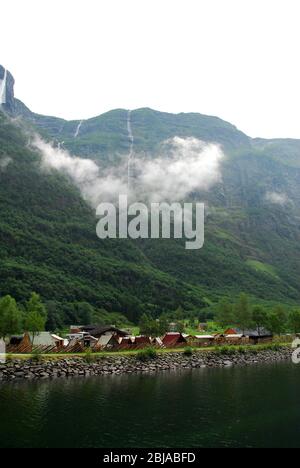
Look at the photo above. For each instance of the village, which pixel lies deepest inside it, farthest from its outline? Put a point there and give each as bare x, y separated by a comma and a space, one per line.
94, 338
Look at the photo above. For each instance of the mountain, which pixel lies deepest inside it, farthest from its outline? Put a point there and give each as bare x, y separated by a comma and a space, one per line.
47, 231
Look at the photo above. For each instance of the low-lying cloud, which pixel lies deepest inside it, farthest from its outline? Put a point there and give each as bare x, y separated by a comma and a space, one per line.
277, 198
4, 163
95, 185
182, 166
185, 166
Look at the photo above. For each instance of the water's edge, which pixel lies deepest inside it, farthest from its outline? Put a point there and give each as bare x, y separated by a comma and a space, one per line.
73, 367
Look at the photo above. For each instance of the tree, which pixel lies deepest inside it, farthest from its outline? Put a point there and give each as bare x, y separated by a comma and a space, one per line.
10, 317
36, 316
149, 326
294, 321
260, 318
277, 321
144, 324
180, 327
224, 313
54, 316
85, 312
35, 305
242, 313
179, 313
163, 325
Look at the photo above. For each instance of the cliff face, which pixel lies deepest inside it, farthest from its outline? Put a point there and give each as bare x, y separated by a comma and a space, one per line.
9, 104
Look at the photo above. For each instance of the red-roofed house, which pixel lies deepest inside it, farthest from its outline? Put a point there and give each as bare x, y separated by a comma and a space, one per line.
142, 341
174, 339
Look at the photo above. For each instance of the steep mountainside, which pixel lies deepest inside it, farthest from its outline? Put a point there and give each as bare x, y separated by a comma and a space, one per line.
48, 243
47, 232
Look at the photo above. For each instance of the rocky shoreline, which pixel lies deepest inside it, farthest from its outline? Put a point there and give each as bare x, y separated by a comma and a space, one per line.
77, 367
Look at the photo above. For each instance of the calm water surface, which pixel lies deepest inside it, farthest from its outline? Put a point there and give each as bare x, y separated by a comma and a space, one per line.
239, 407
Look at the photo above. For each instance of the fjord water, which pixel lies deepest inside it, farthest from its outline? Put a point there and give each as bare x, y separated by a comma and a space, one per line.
257, 406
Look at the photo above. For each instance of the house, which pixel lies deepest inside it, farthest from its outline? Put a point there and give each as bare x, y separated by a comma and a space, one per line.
186, 336
173, 326
107, 342
235, 337
157, 342
83, 342
203, 340
45, 339
74, 329
202, 327
20, 340
77, 335
97, 331
174, 339
231, 339
89, 341
142, 341
59, 342
260, 335
231, 331
126, 342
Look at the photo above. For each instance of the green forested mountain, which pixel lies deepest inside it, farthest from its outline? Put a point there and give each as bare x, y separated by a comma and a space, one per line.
47, 232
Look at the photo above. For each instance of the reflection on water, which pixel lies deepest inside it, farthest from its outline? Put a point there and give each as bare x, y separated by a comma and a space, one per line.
236, 407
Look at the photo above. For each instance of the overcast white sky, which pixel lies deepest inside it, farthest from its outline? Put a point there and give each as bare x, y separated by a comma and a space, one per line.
237, 59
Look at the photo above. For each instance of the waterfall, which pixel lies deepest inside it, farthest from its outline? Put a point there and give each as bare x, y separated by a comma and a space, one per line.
3, 89
131, 152
78, 129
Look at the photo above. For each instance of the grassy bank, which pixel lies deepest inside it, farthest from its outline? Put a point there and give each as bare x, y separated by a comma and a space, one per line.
220, 350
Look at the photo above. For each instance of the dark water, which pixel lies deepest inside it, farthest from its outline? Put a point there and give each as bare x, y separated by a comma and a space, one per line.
240, 407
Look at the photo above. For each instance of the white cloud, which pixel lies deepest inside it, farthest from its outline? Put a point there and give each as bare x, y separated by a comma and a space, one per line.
4, 163
277, 198
183, 166
95, 185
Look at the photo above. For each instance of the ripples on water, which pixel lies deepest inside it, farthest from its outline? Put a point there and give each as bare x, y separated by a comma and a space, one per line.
237, 407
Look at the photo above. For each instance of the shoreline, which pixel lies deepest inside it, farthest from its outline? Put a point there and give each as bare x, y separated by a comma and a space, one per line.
27, 369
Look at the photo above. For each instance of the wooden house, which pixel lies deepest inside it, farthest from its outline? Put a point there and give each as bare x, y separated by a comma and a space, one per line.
231, 331
142, 341
260, 335
108, 342
126, 342
157, 342
98, 331
203, 340
173, 340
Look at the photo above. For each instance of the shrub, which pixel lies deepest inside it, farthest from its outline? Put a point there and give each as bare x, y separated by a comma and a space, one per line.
270, 347
88, 356
9, 358
242, 350
147, 354
228, 350
36, 355
276, 346
188, 351
225, 350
